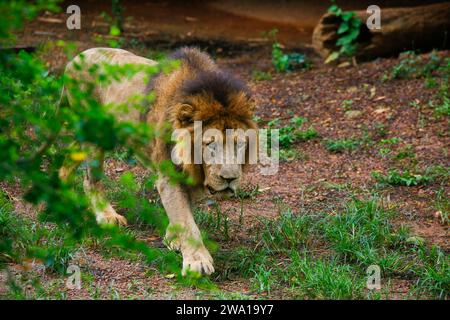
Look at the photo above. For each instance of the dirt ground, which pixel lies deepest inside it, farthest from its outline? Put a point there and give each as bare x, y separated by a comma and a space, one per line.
304, 183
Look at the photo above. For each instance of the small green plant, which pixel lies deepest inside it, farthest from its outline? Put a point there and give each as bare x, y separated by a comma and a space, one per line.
386, 143
340, 145
407, 67
406, 152
286, 62
116, 22
380, 130
347, 104
258, 75
384, 152
390, 141
292, 154
348, 32
405, 178
292, 133
442, 104
412, 66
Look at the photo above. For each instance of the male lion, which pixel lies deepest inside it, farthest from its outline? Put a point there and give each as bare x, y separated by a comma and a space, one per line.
196, 91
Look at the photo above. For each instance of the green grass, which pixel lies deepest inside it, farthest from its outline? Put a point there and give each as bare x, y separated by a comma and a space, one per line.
292, 133
406, 152
325, 256
363, 235
441, 105
442, 205
401, 178
288, 232
412, 66
130, 196
433, 272
22, 238
409, 178
326, 278
297, 255
347, 104
215, 222
258, 75
13, 232
292, 154
341, 145
248, 192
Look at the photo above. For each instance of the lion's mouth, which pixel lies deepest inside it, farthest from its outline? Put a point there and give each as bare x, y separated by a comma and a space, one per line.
227, 191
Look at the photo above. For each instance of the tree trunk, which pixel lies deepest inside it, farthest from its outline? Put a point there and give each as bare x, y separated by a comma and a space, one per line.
423, 27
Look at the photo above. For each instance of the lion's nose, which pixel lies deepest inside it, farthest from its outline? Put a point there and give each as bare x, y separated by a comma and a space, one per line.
229, 173
229, 180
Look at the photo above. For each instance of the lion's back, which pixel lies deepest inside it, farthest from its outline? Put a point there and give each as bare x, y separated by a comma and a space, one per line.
115, 93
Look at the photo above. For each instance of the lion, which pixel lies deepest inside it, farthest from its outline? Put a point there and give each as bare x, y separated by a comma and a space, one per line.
197, 91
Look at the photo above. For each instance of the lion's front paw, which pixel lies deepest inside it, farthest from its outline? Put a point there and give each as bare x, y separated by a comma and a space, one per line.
110, 216
199, 261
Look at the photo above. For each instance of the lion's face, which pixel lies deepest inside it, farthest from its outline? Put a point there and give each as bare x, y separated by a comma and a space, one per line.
219, 104
224, 154
222, 179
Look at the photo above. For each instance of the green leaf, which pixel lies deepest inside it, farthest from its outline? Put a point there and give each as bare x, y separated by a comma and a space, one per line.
343, 28
334, 9
114, 31
333, 56
346, 16
356, 23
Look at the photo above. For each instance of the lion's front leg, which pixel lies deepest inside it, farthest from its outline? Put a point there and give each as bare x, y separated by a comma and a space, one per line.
183, 233
94, 189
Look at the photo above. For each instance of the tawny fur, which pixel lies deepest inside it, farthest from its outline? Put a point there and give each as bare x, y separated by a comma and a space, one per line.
196, 91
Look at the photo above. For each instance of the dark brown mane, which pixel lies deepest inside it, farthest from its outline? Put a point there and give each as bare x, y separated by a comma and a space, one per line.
219, 84
208, 79
193, 57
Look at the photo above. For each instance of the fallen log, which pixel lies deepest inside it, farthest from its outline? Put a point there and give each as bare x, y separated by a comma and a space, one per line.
422, 27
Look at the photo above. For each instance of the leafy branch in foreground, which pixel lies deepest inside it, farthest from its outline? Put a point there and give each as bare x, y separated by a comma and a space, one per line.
36, 137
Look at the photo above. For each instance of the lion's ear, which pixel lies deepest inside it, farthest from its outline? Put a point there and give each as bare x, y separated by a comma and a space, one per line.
185, 114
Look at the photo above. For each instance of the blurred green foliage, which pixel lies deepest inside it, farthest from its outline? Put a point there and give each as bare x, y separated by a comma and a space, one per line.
38, 131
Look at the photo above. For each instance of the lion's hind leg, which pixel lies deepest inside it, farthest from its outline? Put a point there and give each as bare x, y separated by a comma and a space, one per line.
67, 169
